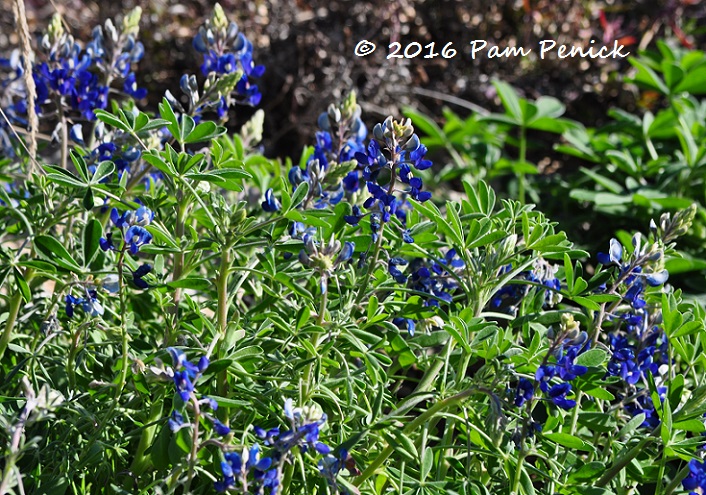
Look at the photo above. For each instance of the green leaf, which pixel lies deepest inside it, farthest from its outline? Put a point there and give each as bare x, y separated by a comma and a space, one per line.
165, 110
510, 101
299, 194
111, 120
63, 177
186, 127
155, 159
593, 357
103, 170
205, 131
92, 232
194, 283
588, 472
23, 286
53, 251
569, 441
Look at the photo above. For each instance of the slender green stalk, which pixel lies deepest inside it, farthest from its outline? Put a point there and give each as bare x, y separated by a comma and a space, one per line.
123, 328
371, 267
413, 425
308, 379
222, 323
674, 484
178, 268
194, 444
625, 459
142, 462
518, 472
14, 309
13, 312
523, 158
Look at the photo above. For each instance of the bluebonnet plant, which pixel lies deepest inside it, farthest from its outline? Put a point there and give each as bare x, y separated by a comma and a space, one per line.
636, 340
567, 344
437, 278
82, 78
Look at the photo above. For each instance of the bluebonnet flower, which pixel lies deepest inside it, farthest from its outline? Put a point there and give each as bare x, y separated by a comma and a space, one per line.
433, 277
70, 73
176, 421
139, 274
325, 258
565, 366
558, 394
237, 468
331, 465
130, 87
407, 323
542, 273
524, 391
329, 170
225, 50
643, 405
384, 165
252, 473
132, 224
696, 480
186, 372
567, 344
90, 303
271, 203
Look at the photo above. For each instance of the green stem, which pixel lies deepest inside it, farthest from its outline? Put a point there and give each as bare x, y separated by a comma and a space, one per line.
518, 472
371, 266
523, 159
222, 323
308, 379
660, 475
194, 444
70, 369
14, 309
287, 478
412, 426
178, 268
625, 459
13, 312
142, 462
123, 328
674, 484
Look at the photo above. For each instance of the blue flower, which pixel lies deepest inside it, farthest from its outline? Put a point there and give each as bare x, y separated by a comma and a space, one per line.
137, 275
271, 203
135, 237
225, 50
558, 393
407, 323
696, 480
71, 302
176, 421
565, 365
132, 223
220, 428
130, 87
524, 392
614, 255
